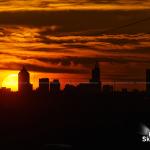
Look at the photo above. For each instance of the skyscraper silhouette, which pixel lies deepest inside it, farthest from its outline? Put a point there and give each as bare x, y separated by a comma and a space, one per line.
96, 76
148, 80
24, 85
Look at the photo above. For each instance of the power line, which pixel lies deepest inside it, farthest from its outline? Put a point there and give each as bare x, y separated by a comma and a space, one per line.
129, 24
111, 29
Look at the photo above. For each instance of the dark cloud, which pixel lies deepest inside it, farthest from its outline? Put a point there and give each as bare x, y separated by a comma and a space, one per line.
46, 3
117, 1
79, 22
120, 41
31, 67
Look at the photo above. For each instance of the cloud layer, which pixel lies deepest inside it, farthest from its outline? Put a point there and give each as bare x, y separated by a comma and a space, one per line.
42, 52
47, 38
72, 4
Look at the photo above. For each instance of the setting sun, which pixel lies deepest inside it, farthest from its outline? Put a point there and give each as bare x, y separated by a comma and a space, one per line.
11, 81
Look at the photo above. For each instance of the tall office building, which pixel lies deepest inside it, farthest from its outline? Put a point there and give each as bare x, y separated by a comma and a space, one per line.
95, 80
44, 85
148, 80
95, 74
24, 85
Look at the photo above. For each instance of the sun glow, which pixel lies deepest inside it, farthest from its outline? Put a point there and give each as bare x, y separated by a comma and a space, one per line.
11, 81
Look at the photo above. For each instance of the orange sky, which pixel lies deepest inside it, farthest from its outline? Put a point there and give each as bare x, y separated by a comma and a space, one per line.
56, 43
7, 5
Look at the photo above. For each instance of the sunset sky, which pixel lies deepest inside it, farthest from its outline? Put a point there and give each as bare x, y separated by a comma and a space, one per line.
64, 38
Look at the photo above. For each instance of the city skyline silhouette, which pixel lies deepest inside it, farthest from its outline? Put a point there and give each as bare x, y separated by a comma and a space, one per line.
71, 116
74, 74
47, 85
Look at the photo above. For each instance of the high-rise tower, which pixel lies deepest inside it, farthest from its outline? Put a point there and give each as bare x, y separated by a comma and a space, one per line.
95, 74
95, 80
24, 85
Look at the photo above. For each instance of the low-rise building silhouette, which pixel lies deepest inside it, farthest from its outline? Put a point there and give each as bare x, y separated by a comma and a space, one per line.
124, 91
70, 89
44, 85
88, 88
4, 90
55, 86
107, 89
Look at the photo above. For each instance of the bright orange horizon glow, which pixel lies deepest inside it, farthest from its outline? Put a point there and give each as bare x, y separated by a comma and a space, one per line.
11, 81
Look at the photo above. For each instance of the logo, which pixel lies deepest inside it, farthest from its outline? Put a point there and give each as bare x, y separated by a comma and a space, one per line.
145, 132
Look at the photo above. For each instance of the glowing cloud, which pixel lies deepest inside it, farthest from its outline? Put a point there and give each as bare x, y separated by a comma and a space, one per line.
72, 4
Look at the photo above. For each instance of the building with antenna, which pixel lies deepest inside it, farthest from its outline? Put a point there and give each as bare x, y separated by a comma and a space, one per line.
96, 73
94, 84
